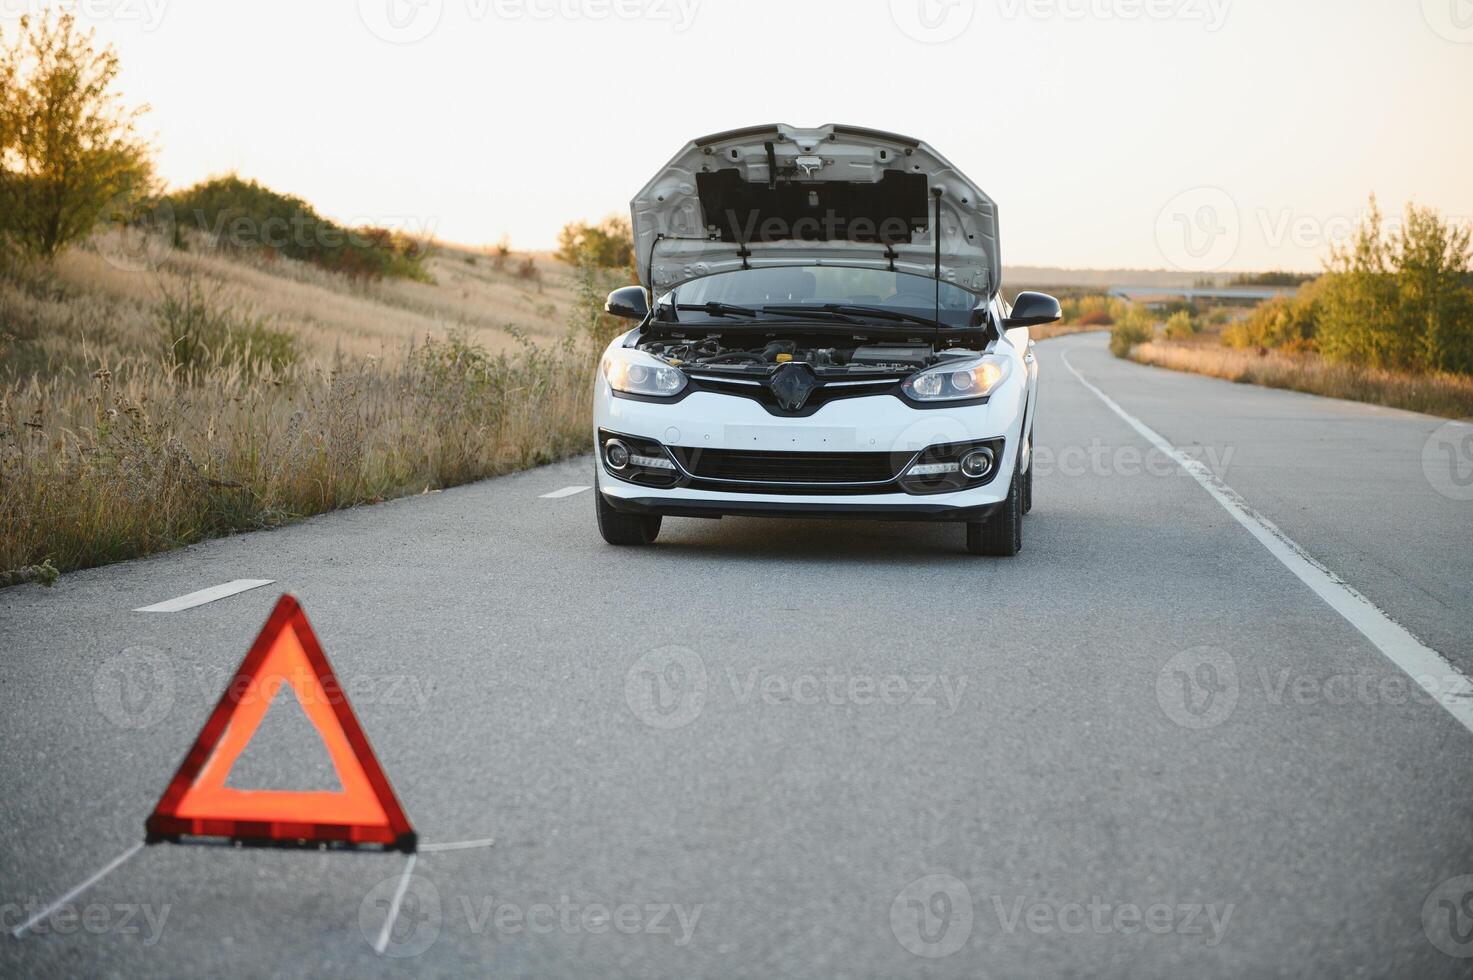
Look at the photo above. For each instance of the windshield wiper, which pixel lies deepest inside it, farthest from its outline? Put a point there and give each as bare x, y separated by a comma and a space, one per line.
877, 312
727, 309
718, 309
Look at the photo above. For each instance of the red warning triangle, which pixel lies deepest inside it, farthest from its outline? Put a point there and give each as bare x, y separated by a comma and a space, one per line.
198, 803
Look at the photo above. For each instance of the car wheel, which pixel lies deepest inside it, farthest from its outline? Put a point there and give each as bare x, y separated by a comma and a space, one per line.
1001, 535
624, 529
1028, 489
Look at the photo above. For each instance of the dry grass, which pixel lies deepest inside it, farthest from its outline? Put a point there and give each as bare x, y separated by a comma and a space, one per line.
102, 298
132, 460
1448, 395
112, 447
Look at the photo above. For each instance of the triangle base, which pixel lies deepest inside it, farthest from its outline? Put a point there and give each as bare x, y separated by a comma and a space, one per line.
323, 837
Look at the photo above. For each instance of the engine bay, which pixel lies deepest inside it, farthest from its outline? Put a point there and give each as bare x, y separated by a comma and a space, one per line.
827, 355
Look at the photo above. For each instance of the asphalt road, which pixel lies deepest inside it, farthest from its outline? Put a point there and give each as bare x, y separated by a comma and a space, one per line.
1145, 747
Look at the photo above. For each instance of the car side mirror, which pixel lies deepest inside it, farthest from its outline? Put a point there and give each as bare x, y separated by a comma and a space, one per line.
629, 302
1034, 309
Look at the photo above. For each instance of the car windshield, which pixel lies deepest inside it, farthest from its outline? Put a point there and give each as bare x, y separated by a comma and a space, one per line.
847, 291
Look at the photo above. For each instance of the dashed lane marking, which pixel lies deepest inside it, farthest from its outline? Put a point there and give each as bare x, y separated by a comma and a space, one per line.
206, 595
564, 492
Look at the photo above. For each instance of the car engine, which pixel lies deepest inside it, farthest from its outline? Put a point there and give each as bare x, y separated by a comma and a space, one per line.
717, 353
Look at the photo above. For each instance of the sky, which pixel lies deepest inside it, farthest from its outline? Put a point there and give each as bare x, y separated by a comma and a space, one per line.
1203, 135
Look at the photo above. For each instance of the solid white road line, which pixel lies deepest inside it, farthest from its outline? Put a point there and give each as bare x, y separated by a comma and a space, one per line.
206, 595
1426, 666
387, 930
564, 492
460, 845
45, 913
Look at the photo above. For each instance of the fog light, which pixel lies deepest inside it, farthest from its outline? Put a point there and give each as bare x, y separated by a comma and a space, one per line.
977, 464
617, 454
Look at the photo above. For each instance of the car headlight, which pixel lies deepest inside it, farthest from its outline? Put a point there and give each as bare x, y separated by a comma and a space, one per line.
959, 379
636, 373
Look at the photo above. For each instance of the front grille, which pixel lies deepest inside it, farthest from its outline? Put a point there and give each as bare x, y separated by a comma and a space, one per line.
740, 465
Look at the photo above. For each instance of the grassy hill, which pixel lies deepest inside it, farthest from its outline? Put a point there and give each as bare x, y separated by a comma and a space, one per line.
159, 389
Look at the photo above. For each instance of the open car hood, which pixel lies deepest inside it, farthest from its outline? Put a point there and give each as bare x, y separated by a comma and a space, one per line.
836, 195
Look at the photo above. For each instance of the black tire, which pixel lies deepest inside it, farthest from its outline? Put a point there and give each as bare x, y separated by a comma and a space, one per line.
1001, 535
1028, 489
635, 530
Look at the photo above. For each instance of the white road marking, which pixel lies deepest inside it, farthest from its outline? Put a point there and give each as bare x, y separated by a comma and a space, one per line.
46, 913
564, 492
461, 845
206, 595
384, 933
1452, 689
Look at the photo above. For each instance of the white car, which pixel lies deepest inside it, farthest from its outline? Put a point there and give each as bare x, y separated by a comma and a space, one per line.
815, 348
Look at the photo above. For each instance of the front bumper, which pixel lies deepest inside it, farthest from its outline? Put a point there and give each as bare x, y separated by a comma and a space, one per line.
673, 503
882, 423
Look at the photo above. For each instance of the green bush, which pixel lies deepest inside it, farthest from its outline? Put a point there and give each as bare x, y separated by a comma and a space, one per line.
607, 245
1400, 300
1137, 326
1286, 322
1094, 309
247, 216
1180, 326
201, 334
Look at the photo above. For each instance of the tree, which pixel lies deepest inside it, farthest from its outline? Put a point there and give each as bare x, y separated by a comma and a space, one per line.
69, 152
1358, 303
606, 245
1433, 260
1400, 300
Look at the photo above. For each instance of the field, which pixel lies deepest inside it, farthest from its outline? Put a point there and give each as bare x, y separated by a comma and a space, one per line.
150, 397
101, 301
1448, 395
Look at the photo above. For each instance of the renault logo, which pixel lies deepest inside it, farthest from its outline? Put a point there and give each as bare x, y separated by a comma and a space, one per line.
792, 384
